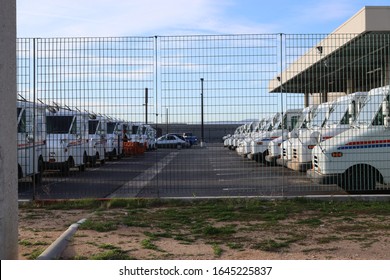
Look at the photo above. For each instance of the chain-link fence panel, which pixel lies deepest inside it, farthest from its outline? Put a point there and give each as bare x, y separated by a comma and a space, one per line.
203, 116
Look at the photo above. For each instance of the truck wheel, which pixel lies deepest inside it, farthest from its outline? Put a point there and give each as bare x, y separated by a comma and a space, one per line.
359, 178
38, 177
92, 161
103, 158
65, 168
20, 172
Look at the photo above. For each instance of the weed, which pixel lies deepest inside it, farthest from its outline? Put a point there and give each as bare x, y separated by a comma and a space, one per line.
108, 246
115, 254
270, 245
186, 239
310, 222
131, 222
225, 230
235, 246
217, 250
157, 235
328, 239
148, 244
25, 242
99, 226
29, 243
35, 253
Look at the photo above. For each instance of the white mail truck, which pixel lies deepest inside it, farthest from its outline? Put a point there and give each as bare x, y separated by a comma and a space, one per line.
31, 140
67, 139
342, 112
358, 158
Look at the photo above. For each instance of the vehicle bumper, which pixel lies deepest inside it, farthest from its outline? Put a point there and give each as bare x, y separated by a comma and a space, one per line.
282, 162
300, 166
319, 178
54, 165
272, 159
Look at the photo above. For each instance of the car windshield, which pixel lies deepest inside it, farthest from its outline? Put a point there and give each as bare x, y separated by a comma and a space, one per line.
111, 127
370, 109
58, 124
319, 116
21, 120
339, 113
134, 129
92, 126
303, 118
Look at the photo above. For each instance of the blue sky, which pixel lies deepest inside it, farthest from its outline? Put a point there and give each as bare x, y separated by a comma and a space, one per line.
69, 18
234, 92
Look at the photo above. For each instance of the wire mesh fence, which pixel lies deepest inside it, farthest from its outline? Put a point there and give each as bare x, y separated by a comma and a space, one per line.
203, 116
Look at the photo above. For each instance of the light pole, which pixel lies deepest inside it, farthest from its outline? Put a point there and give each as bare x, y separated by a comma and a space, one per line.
166, 119
146, 105
202, 144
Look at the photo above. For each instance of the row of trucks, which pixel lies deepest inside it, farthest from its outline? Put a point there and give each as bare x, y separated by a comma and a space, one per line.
59, 138
345, 141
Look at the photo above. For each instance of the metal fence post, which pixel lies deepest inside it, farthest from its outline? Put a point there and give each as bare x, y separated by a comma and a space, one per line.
201, 113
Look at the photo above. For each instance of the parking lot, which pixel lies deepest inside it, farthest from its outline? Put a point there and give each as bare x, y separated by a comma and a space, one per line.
212, 171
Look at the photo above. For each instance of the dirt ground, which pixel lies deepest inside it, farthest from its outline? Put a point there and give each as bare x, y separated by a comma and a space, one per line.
296, 238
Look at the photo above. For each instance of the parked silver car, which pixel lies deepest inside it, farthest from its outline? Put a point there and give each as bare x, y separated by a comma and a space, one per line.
172, 141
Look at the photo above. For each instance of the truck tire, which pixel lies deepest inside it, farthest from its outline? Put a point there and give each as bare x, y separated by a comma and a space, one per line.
65, 168
359, 178
41, 168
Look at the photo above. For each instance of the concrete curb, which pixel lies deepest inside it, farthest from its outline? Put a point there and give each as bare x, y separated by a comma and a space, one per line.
341, 197
54, 251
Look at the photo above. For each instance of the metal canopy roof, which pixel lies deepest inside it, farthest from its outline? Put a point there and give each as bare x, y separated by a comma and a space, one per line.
343, 62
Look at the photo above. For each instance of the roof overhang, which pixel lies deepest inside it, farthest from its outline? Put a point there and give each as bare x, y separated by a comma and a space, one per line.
359, 46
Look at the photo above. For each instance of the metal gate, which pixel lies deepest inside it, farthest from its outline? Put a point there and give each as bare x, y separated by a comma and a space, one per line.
106, 100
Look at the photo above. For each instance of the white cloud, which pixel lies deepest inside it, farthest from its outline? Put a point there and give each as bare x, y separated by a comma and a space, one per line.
45, 18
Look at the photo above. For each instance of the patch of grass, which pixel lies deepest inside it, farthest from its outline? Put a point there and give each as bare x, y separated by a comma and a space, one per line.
29, 243
217, 250
34, 216
148, 244
352, 228
314, 222
158, 235
131, 222
35, 253
328, 239
115, 254
25, 242
235, 246
271, 245
80, 235
319, 249
192, 220
99, 226
108, 246
225, 230
186, 239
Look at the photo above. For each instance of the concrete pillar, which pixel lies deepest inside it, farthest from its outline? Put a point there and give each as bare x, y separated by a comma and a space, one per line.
8, 148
